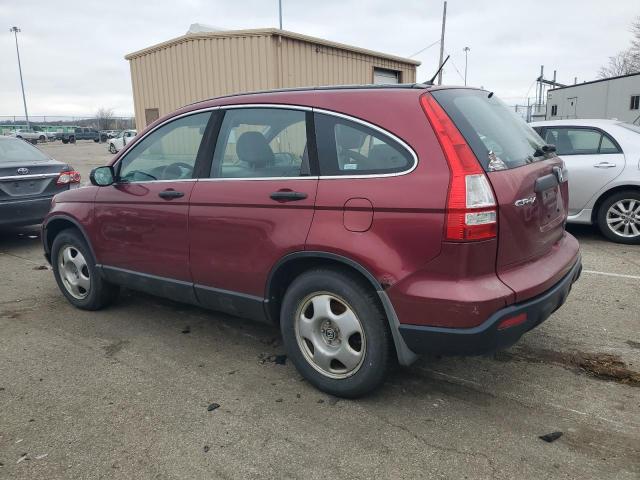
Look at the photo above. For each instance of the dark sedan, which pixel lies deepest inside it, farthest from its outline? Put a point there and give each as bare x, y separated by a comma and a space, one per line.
28, 180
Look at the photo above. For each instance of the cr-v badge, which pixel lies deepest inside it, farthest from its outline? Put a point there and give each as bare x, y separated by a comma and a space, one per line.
525, 201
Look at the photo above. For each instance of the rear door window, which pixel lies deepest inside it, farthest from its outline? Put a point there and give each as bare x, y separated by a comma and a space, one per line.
493, 131
349, 148
579, 141
261, 143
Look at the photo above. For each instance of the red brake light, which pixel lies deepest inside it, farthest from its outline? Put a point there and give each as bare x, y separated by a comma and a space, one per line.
68, 177
471, 207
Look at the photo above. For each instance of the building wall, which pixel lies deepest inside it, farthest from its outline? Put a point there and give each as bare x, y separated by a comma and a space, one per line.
606, 99
193, 69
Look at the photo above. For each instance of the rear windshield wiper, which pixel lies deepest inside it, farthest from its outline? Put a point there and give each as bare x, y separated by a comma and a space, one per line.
543, 150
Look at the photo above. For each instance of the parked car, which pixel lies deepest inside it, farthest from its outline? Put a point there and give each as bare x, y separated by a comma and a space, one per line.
603, 161
368, 223
80, 133
105, 135
51, 136
122, 138
28, 180
30, 134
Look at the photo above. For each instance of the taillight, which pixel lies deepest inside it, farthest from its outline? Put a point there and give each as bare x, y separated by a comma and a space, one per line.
471, 206
66, 178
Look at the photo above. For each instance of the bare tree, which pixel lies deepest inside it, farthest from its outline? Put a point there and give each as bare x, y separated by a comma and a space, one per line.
627, 61
104, 117
621, 64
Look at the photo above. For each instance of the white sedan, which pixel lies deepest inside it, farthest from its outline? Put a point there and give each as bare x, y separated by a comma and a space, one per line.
116, 144
603, 161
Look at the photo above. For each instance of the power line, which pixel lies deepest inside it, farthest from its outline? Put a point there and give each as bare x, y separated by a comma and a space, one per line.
424, 49
454, 66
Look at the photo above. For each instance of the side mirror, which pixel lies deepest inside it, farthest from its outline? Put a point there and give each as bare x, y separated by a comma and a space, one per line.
102, 176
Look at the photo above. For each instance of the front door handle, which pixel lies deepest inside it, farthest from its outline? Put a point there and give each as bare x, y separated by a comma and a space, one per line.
169, 194
604, 165
288, 196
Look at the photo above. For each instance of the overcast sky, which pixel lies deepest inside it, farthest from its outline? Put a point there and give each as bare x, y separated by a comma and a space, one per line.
73, 51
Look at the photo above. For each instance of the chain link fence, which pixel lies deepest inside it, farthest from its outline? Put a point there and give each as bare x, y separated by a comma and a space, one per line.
63, 124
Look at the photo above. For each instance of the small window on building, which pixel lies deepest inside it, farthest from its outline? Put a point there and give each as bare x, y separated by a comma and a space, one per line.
554, 110
151, 115
382, 76
635, 102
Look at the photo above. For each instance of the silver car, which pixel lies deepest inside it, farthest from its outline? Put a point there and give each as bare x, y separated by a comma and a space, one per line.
603, 161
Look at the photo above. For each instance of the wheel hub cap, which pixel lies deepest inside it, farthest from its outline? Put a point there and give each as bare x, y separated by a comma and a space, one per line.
74, 272
330, 335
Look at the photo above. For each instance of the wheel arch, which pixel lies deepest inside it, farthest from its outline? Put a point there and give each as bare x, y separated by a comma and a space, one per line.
54, 225
606, 194
290, 266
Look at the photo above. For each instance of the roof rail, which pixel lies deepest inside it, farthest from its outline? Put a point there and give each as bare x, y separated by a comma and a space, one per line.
321, 88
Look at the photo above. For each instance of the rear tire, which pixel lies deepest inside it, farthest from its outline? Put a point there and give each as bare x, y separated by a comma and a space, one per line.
65, 141
76, 275
335, 333
619, 217
112, 148
42, 138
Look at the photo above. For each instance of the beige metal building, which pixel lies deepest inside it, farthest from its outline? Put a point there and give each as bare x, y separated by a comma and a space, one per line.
199, 66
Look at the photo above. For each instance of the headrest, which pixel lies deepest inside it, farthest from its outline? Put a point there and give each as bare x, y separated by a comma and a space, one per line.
349, 138
253, 148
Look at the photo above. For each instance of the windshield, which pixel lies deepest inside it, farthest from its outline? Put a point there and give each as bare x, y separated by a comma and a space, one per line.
499, 138
16, 150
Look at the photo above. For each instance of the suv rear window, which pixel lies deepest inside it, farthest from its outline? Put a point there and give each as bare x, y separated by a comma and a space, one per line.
490, 127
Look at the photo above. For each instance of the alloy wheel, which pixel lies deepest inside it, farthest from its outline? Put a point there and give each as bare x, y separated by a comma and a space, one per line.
330, 335
74, 272
623, 218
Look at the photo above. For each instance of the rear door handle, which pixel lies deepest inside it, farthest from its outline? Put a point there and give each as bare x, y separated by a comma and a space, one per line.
604, 165
288, 196
169, 194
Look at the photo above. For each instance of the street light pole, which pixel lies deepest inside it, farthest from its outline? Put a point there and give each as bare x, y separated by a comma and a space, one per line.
15, 31
466, 53
280, 12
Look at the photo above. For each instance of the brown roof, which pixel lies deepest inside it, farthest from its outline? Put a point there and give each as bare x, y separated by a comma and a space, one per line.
267, 32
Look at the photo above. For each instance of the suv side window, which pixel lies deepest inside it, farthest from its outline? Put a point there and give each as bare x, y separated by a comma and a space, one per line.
169, 153
579, 141
261, 143
350, 148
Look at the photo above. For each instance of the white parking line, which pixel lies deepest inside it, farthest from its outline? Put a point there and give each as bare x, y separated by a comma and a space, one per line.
595, 272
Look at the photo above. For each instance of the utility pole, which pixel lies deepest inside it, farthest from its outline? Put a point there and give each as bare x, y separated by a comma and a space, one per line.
15, 31
444, 21
280, 12
466, 53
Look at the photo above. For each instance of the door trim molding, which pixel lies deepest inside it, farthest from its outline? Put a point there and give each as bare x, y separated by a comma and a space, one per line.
226, 301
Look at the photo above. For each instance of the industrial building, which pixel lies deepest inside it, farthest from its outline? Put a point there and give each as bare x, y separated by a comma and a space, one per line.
613, 98
203, 65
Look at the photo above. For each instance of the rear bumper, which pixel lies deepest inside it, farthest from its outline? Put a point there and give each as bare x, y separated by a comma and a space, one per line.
24, 212
487, 337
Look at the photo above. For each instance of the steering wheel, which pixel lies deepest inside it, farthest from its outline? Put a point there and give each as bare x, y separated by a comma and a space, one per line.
176, 171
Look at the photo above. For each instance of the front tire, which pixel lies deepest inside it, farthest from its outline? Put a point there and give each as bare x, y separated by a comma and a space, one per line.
335, 333
76, 275
112, 148
619, 217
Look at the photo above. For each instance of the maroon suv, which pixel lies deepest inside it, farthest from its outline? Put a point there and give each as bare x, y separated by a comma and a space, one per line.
368, 223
